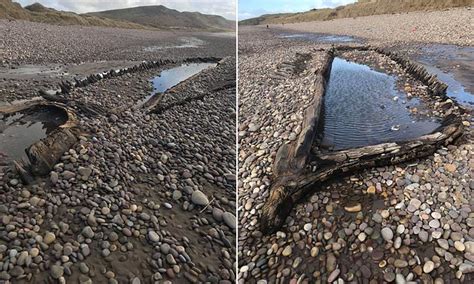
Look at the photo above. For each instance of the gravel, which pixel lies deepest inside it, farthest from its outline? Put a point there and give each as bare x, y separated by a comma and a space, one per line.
449, 26
36, 54
113, 206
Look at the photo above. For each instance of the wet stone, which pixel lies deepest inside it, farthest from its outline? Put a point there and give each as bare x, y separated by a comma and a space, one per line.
153, 236
387, 234
17, 271
229, 220
434, 224
389, 276
459, 246
443, 244
57, 271
377, 218
49, 238
428, 266
400, 263
287, 251
88, 232
377, 255
333, 276
414, 205
366, 271
353, 208
423, 235
199, 198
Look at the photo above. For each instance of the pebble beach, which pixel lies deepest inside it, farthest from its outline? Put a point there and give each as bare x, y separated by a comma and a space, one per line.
142, 196
405, 223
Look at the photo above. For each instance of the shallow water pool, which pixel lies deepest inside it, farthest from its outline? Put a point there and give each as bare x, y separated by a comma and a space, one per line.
364, 107
171, 77
21, 130
319, 37
454, 66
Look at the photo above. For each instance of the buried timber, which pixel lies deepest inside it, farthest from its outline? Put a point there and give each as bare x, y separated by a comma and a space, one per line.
171, 171
171, 77
393, 112
35, 133
20, 130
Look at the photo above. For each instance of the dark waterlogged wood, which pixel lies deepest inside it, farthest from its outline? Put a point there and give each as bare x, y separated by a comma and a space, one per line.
298, 172
44, 154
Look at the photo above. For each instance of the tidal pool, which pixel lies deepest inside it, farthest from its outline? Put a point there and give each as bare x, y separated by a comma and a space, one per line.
455, 90
454, 66
171, 77
319, 37
21, 130
190, 42
364, 107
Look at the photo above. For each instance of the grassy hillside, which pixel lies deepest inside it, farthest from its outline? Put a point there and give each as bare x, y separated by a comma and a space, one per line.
11, 10
151, 17
162, 17
263, 19
39, 13
359, 9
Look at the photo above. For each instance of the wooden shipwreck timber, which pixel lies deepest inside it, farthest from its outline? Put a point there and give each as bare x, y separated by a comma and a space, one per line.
43, 155
300, 166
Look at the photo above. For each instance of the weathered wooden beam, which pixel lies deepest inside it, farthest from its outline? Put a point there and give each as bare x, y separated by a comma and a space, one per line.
44, 154
293, 157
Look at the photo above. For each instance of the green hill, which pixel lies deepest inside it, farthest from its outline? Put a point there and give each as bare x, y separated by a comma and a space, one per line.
165, 18
38, 13
359, 9
152, 17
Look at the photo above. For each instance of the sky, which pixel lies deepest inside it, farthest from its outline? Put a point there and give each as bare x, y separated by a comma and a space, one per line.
225, 8
254, 8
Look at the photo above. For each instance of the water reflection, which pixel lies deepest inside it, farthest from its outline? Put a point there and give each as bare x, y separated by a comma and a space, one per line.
363, 107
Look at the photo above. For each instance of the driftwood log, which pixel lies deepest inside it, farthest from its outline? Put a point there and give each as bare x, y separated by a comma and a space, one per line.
298, 170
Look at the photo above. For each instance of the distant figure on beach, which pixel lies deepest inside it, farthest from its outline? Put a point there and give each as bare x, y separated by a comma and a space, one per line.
267, 26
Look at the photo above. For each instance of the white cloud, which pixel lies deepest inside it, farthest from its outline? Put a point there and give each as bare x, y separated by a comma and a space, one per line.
225, 8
